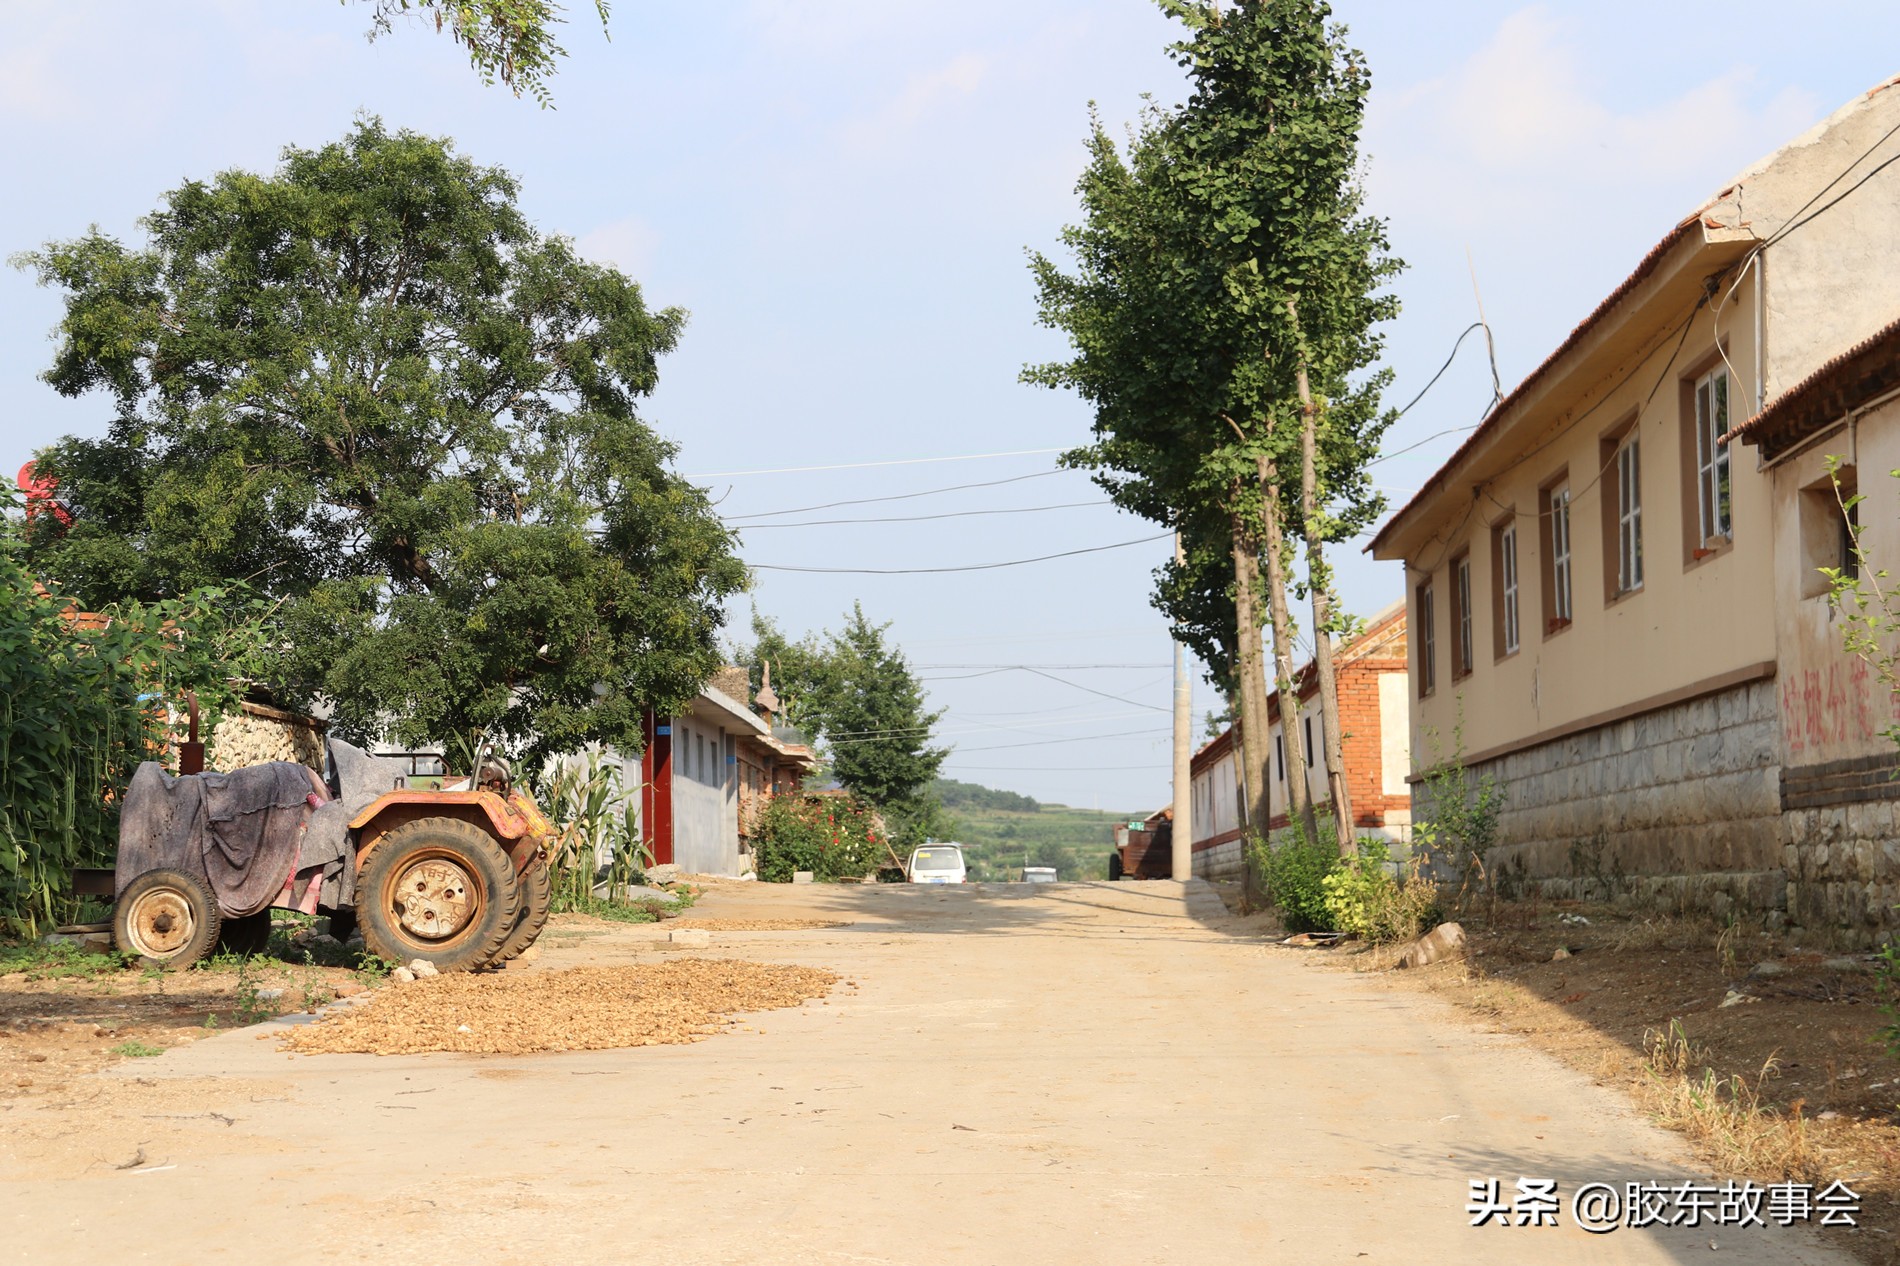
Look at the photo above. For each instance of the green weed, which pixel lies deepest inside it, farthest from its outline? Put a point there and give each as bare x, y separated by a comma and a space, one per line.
137, 1050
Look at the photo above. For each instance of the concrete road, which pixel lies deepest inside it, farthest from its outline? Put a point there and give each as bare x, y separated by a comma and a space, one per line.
1080, 1073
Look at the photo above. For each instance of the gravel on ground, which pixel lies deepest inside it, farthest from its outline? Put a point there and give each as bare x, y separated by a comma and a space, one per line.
579, 1009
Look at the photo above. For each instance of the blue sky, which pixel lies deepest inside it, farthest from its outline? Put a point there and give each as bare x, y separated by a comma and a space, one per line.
841, 193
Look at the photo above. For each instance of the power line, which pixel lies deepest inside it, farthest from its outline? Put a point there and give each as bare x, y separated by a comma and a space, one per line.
937, 571
901, 496
1080, 738
901, 461
920, 518
1040, 666
1049, 769
1475, 325
1091, 690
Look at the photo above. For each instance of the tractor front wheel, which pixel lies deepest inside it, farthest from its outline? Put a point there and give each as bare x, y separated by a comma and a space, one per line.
440, 889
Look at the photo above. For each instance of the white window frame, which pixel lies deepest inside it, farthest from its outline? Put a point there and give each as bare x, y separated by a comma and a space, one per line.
1461, 585
1428, 641
1306, 730
1714, 489
1561, 606
1629, 514
1507, 555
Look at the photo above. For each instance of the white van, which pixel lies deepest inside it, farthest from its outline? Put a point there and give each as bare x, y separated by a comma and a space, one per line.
937, 864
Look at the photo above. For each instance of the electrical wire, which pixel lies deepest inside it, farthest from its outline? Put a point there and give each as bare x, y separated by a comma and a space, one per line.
900, 496
938, 571
1475, 325
899, 461
1080, 738
921, 518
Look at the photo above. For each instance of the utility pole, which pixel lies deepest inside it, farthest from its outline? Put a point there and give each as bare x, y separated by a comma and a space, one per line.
1183, 831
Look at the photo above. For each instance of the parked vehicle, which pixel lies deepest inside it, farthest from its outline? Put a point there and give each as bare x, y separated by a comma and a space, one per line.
937, 864
1039, 874
456, 878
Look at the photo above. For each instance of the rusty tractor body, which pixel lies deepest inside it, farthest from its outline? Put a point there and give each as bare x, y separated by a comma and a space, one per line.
458, 879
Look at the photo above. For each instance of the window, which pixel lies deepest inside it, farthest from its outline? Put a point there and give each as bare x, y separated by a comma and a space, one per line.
1711, 457
1629, 514
1554, 552
1306, 728
1560, 551
1279, 757
1463, 657
1427, 641
1827, 535
1504, 609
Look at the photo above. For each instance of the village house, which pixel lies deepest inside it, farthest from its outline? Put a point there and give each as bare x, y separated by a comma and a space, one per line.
1838, 764
705, 773
1603, 591
1371, 673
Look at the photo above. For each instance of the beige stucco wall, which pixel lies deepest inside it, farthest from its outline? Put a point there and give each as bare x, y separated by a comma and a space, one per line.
1819, 300
1395, 748
1831, 706
1215, 801
1691, 620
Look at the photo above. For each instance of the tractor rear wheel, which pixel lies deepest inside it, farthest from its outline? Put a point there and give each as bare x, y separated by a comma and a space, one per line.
166, 918
439, 889
537, 896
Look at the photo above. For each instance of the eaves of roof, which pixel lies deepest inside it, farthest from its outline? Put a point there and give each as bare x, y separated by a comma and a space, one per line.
1862, 373
1495, 420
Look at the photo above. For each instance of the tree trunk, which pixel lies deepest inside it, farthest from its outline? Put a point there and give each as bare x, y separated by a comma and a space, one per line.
1250, 669
1299, 804
1319, 581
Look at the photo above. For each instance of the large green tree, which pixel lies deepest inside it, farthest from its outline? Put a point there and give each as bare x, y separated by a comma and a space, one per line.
1223, 315
367, 385
877, 730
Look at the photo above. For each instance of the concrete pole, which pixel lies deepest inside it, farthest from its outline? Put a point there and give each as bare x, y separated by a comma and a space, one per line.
1183, 852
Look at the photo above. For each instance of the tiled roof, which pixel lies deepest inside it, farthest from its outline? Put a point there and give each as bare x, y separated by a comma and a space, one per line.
1868, 369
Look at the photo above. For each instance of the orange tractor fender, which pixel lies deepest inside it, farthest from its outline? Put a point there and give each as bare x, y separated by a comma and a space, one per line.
515, 821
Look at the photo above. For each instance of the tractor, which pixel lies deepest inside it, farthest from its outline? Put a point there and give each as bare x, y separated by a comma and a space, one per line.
457, 878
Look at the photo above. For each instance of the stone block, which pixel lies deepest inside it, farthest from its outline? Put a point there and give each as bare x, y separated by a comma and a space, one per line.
690, 938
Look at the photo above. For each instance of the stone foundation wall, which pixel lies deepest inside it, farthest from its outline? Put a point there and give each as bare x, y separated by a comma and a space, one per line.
1843, 859
1222, 862
1677, 809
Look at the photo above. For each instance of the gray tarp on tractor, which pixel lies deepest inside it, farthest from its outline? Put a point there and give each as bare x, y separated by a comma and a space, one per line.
242, 832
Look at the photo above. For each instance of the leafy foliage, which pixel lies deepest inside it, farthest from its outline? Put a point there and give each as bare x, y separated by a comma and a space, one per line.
1460, 822
834, 837
1365, 898
1294, 871
367, 384
855, 691
596, 830
509, 40
800, 671
82, 704
1198, 237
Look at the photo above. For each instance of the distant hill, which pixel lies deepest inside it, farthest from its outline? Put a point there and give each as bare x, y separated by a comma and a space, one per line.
1002, 831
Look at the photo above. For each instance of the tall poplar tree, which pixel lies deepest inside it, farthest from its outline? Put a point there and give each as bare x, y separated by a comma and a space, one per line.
1224, 318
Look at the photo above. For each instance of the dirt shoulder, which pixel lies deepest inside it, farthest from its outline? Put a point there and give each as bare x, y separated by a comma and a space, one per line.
66, 1015
1765, 1054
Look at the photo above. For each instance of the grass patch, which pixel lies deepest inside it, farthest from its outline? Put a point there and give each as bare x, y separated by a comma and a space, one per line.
56, 960
1724, 1114
137, 1050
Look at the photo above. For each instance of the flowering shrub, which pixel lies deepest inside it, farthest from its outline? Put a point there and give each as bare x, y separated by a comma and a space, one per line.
833, 837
